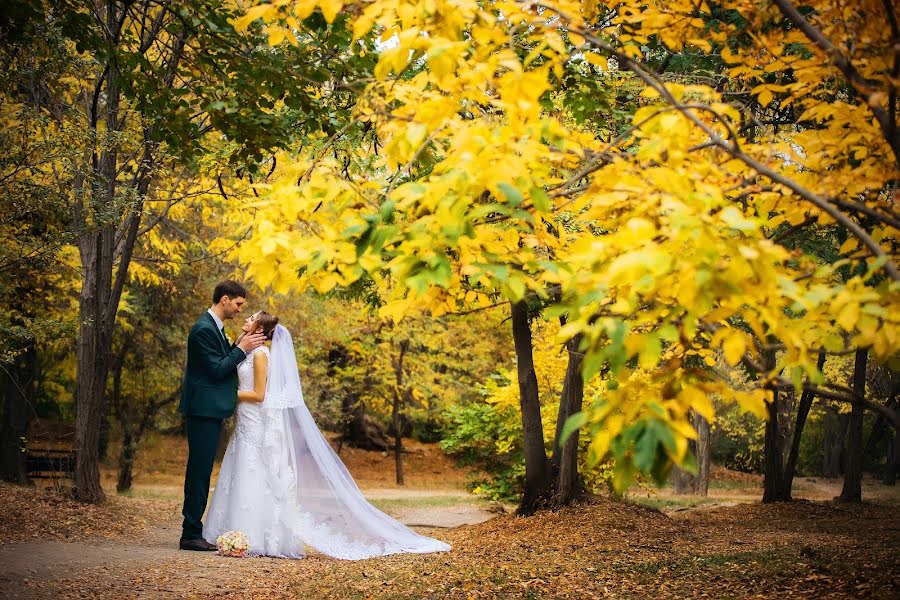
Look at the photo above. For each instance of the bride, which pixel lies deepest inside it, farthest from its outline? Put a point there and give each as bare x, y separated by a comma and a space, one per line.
281, 484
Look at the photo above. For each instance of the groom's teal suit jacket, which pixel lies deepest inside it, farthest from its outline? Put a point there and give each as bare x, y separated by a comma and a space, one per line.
210, 377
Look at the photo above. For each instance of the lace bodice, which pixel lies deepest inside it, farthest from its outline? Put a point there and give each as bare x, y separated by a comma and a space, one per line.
245, 369
248, 425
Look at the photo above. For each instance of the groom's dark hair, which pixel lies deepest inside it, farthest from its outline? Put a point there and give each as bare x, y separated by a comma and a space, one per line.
229, 288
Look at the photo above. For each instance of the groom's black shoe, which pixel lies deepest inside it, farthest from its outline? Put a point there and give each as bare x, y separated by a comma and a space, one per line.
198, 545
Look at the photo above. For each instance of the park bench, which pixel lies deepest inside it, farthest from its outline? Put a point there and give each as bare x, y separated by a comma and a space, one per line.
49, 450
50, 463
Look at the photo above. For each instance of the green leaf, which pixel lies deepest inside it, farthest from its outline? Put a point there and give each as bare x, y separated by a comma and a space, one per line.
665, 435
689, 463
572, 424
516, 287
591, 364
513, 195
645, 450
387, 210
540, 199
623, 474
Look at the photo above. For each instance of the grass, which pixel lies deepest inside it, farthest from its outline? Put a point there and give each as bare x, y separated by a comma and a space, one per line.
734, 485
427, 502
663, 502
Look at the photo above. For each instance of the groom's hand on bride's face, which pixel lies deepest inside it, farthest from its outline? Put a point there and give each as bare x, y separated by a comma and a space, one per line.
249, 342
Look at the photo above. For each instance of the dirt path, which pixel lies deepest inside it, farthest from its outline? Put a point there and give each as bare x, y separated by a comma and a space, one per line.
44, 569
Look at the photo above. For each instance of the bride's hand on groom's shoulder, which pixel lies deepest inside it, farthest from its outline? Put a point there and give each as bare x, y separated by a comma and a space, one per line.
249, 342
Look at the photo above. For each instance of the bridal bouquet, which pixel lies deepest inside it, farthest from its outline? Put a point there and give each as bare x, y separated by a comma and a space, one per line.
233, 543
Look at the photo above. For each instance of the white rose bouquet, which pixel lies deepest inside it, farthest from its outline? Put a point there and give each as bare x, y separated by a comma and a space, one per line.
233, 543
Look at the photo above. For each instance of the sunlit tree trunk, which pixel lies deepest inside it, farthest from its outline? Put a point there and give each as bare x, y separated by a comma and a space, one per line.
537, 467
565, 456
689, 483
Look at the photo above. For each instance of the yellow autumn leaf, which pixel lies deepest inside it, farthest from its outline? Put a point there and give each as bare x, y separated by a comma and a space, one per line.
848, 246
276, 35
330, 9
697, 399
753, 402
596, 60
260, 11
599, 446
303, 8
733, 346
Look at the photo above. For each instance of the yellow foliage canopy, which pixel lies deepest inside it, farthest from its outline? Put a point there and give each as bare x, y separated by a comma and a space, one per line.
664, 242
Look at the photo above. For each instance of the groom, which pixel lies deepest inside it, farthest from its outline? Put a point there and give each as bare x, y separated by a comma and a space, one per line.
209, 396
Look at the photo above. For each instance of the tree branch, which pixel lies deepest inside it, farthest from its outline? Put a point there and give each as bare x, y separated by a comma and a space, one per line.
842, 62
653, 80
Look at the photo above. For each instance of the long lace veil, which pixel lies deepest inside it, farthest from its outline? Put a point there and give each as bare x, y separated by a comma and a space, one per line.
336, 519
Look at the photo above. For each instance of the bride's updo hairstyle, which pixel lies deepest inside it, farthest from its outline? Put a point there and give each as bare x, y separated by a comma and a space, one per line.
266, 323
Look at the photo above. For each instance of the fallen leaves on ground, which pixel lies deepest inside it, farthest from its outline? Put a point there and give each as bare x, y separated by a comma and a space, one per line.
610, 549
599, 550
31, 513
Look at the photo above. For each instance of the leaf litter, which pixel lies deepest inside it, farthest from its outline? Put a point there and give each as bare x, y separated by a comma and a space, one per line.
601, 549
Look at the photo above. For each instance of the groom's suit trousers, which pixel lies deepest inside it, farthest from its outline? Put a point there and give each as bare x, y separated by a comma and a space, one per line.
203, 440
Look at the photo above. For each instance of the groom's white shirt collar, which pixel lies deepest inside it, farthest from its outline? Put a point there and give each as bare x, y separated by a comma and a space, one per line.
216, 318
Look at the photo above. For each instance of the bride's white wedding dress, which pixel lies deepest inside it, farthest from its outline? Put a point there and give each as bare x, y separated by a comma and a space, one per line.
283, 486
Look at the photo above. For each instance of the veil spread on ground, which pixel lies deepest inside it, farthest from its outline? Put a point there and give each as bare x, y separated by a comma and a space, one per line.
312, 484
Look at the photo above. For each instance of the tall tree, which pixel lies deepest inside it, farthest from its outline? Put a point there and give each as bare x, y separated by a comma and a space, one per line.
538, 481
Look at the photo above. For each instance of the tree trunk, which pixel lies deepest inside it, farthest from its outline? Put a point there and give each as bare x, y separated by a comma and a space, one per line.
358, 429
396, 411
835, 432
806, 401
96, 247
773, 458
852, 491
17, 386
126, 460
103, 446
537, 491
704, 455
398, 457
774, 455
108, 232
893, 459
688, 483
569, 486
882, 429
93, 355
